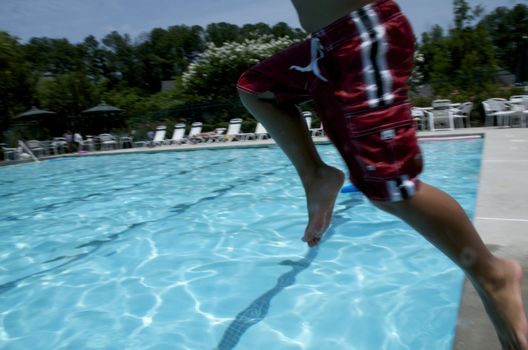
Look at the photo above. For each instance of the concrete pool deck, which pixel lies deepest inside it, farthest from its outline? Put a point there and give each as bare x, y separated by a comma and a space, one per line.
501, 213
501, 217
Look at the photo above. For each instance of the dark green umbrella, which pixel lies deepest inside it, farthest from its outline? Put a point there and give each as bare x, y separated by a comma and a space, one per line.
37, 124
102, 108
100, 114
33, 112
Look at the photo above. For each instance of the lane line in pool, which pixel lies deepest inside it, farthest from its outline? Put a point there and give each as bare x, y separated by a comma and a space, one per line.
502, 219
111, 192
99, 243
258, 309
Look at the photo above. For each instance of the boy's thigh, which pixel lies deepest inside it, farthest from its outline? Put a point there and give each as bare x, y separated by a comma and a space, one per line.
273, 78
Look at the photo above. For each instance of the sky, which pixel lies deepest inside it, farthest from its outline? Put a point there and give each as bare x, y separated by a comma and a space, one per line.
76, 19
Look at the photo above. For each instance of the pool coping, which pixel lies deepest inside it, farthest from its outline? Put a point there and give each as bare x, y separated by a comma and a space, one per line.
501, 217
461, 133
501, 212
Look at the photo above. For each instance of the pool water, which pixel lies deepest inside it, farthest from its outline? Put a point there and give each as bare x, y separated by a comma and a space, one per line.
201, 250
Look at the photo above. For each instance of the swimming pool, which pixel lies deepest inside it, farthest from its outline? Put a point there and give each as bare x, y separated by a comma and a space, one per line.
202, 250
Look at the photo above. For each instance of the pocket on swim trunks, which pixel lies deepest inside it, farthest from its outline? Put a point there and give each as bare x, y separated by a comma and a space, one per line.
385, 152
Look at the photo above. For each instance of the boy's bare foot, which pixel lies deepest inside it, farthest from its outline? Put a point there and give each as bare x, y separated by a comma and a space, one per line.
504, 305
321, 193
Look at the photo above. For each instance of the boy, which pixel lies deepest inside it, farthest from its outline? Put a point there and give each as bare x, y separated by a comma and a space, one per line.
355, 67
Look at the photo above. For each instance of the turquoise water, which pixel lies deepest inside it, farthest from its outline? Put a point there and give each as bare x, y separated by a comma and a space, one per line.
201, 250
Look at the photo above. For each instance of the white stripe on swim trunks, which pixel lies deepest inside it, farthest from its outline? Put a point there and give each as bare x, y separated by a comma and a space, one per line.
381, 58
368, 69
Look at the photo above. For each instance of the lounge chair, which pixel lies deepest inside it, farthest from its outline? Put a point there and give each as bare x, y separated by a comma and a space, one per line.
317, 131
196, 129
159, 136
233, 131
178, 136
307, 115
307, 118
260, 133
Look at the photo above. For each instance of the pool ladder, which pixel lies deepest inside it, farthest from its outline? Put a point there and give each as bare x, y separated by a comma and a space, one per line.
26, 148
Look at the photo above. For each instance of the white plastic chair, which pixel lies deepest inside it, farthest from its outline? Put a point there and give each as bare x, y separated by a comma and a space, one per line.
518, 98
463, 114
519, 115
36, 148
10, 153
442, 115
418, 115
497, 112
107, 140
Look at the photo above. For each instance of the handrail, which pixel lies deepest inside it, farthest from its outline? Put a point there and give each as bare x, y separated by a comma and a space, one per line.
26, 148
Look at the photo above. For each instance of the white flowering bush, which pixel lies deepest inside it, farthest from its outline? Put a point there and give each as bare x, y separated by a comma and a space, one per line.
215, 72
417, 75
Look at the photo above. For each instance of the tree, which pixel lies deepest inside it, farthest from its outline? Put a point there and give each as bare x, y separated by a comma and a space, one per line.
95, 62
124, 67
167, 53
508, 30
55, 56
67, 94
16, 80
461, 62
282, 29
220, 33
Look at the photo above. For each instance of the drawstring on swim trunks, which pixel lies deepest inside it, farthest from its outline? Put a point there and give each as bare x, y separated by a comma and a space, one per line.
316, 52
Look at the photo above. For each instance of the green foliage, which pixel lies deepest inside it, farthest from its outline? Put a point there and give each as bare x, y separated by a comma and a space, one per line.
55, 56
205, 63
167, 53
463, 60
508, 30
222, 33
214, 75
16, 80
67, 94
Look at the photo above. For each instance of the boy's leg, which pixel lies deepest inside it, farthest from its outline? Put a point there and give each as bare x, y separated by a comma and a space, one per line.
441, 220
320, 181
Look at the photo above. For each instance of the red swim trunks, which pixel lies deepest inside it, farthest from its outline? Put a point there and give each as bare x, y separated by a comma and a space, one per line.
356, 71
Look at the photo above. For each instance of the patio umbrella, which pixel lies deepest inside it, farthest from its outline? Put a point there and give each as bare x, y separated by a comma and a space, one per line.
37, 122
32, 113
103, 108
104, 111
